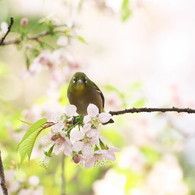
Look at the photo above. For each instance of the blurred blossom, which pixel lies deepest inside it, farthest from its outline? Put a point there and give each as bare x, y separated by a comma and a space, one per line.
4, 27
136, 191
50, 19
131, 158
112, 183
62, 41
24, 21
17, 186
166, 177
11, 183
74, 65
38, 191
34, 180
45, 110
59, 62
113, 101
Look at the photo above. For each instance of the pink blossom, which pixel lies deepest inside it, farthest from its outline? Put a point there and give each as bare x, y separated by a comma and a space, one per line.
24, 21
76, 135
84, 141
57, 127
92, 110
70, 110
101, 155
87, 151
94, 117
61, 143
77, 146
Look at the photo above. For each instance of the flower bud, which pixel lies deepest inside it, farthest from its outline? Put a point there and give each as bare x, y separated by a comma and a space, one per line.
76, 159
24, 21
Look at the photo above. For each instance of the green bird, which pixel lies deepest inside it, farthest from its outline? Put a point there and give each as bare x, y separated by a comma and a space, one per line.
82, 91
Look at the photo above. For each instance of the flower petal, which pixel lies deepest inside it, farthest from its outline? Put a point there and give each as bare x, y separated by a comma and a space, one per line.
76, 135
92, 110
67, 149
77, 146
87, 119
87, 151
114, 149
86, 127
70, 110
104, 117
92, 133
110, 156
101, 152
57, 127
90, 163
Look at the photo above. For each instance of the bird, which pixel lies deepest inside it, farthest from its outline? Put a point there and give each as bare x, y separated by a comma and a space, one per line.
82, 91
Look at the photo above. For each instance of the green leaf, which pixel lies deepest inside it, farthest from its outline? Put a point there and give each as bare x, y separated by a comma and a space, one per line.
25, 122
125, 10
26, 144
81, 39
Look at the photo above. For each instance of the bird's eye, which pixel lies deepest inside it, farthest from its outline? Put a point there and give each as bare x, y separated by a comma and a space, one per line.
85, 80
74, 80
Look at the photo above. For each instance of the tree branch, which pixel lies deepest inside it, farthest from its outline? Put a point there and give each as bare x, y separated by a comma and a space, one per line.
2, 177
8, 30
137, 110
35, 37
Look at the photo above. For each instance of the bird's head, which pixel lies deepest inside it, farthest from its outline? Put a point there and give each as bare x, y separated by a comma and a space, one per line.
79, 81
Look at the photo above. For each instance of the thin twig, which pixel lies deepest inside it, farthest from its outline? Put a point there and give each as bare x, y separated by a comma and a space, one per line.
137, 110
8, 30
35, 37
2, 177
63, 184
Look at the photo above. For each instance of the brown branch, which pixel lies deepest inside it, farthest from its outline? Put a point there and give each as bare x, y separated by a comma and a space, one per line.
2, 178
35, 37
8, 30
137, 110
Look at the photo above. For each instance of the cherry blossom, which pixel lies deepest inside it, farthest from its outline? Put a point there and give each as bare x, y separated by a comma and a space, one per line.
44, 161
84, 143
94, 117
101, 156
61, 143
70, 110
24, 21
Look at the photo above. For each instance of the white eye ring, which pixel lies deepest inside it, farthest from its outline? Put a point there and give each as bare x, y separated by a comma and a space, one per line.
74, 80
85, 79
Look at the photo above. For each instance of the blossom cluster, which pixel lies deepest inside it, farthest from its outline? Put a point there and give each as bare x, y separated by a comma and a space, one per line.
22, 187
79, 137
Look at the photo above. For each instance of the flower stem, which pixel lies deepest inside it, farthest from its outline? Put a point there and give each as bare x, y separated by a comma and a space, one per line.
63, 175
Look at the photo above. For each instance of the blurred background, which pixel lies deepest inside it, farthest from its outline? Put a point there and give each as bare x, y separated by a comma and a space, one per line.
140, 53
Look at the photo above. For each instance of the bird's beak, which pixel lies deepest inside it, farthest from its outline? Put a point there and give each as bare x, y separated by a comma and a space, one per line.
80, 81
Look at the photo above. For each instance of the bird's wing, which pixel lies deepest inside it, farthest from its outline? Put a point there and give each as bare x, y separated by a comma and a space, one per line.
101, 94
